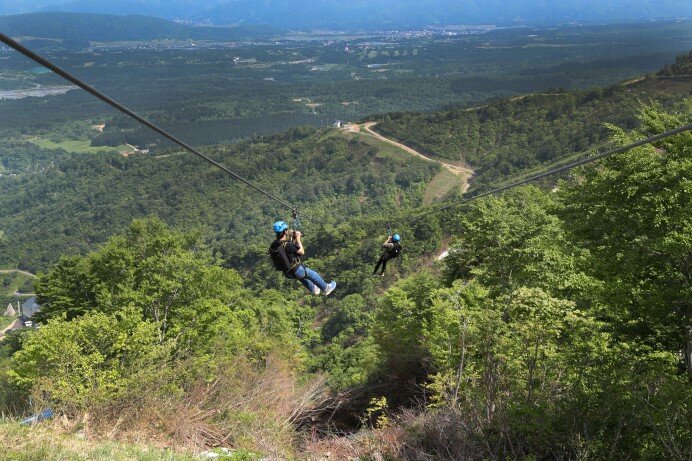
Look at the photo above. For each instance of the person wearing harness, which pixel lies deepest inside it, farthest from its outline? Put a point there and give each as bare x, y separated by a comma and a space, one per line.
286, 251
392, 249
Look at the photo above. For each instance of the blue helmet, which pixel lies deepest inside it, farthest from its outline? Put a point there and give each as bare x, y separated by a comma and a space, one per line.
396, 238
280, 226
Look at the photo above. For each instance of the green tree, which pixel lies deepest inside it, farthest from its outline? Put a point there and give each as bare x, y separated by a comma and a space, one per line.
633, 214
91, 360
515, 240
399, 324
170, 278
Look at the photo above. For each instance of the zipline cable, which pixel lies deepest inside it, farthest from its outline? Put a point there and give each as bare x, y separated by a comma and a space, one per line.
567, 167
67, 76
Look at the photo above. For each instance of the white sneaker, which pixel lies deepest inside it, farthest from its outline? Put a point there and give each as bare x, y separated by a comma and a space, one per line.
330, 288
316, 290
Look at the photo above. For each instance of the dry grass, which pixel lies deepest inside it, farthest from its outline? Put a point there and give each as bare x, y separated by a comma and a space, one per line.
413, 435
50, 442
371, 444
240, 405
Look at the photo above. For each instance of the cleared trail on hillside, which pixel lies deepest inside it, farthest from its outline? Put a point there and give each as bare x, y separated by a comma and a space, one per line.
465, 173
7, 328
11, 271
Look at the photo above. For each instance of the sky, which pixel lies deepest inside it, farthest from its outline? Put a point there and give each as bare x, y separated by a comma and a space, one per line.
369, 13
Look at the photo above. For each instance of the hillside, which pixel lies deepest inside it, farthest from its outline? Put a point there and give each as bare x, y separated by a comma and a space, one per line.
106, 28
82, 199
512, 135
546, 331
681, 68
73, 202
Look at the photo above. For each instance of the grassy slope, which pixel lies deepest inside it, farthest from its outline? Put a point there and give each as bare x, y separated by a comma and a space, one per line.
80, 146
5, 321
7, 294
22, 443
443, 184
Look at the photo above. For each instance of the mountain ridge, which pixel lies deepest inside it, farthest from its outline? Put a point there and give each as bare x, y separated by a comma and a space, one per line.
107, 27
307, 14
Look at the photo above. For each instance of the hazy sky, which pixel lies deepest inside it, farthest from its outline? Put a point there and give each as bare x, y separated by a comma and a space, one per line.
306, 13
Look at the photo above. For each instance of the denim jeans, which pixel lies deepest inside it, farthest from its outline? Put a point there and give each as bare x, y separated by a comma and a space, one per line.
309, 278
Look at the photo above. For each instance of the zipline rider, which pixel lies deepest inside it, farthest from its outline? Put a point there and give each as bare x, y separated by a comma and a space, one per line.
285, 253
392, 248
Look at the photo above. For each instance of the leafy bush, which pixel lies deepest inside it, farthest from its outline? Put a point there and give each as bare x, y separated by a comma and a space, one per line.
95, 360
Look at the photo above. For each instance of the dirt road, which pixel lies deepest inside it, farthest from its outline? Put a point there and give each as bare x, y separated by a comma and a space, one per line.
457, 170
9, 271
7, 328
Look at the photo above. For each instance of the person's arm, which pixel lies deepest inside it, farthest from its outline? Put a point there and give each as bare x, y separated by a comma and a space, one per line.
299, 244
388, 243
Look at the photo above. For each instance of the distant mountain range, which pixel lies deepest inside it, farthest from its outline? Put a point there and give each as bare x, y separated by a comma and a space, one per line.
107, 28
310, 14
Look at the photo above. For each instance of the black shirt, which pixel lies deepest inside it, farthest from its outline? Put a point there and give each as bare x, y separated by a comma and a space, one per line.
291, 250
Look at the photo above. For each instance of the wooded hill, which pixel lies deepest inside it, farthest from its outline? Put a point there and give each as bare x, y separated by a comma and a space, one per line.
77, 202
509, 136
73, 202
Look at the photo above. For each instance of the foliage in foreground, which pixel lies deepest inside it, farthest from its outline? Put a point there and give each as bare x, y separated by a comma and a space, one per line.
147, 336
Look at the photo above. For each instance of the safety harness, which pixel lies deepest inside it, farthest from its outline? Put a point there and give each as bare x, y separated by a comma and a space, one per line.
279, 256
281, 261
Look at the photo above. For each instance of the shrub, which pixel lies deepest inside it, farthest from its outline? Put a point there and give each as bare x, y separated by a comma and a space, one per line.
91, 361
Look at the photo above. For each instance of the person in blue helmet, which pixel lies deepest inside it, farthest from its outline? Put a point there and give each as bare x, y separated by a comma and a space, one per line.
285, 253
392, 248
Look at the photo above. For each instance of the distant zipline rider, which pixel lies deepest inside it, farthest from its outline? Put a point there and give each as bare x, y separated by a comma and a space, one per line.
392, 249
285, 253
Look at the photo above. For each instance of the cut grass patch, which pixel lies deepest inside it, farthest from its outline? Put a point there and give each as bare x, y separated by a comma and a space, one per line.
384, 149
80, 146
444, 183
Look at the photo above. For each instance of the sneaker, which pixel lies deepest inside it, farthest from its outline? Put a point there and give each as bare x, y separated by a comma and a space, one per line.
316, 290
330, 288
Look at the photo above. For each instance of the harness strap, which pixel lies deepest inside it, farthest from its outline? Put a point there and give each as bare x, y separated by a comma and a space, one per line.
291, 267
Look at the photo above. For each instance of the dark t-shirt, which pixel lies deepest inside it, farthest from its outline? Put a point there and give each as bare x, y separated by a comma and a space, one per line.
291, 250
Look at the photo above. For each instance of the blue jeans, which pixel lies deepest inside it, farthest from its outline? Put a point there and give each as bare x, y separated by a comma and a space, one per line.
309, 278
